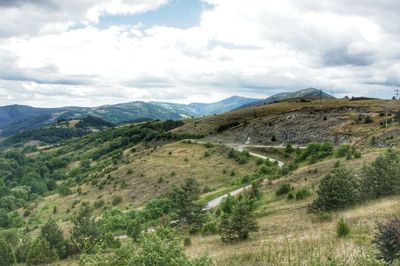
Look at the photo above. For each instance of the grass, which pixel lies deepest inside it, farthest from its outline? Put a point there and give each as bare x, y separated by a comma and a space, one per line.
290, 235
147, 174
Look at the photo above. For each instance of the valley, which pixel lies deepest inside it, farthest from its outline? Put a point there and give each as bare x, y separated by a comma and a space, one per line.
274, 155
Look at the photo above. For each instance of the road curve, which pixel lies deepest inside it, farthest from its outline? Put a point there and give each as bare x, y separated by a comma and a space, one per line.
217, 201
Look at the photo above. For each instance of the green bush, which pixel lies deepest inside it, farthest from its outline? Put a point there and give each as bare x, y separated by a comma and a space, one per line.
284, 189
116, 200
40, 252
387, 240
52, 233
6, 254
302, 194
337, 190
382, 177
240, 222
342, 228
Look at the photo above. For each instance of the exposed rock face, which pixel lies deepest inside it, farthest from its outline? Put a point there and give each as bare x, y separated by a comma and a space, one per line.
298, 127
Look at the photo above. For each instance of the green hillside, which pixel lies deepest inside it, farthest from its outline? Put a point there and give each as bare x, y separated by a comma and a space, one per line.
138, 193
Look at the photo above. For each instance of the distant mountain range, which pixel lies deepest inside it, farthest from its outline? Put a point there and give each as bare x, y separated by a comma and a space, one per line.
18, 118
306, 93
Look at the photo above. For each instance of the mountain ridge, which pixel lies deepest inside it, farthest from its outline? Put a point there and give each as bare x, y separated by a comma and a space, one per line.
19, 118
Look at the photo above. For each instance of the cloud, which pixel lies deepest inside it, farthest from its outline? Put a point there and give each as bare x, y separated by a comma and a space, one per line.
253, 47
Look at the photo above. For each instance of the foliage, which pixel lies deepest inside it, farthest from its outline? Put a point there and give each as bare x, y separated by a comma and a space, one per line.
347, 151
184, 200
241, 157
86, 234
240, 222
387, 240
315, 152
302, 193
54, 236
337, 190
40, 252
342, 228
284, 189
382, 177
6, 254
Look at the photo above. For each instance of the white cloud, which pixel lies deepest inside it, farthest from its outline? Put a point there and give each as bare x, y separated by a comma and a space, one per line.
252, 47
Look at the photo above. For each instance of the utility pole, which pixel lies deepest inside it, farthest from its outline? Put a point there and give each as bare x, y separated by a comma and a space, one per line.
397, 91
386, 117
320, 98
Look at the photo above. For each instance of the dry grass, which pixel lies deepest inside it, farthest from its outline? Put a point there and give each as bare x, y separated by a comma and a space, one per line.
210, 124
290, 235
142, 172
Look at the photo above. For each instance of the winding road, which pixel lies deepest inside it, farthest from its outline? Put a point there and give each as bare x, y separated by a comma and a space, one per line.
239, 147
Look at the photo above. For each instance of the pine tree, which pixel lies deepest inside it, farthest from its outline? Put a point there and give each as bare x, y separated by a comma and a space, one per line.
40, 252
86, 234
53, 234
238, 224
185, 202
6, 254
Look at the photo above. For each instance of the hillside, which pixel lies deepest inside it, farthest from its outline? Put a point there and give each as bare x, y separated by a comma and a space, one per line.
310, 93
297, 122
137, 175
18, 118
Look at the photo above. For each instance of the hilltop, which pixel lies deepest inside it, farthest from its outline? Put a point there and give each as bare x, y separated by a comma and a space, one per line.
310, 93
300, 122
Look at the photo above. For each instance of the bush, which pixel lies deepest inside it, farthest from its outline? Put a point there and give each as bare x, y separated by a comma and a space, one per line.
86, 234
40, 252
116, 200
387, 240
342, 228
283, 189
52, 233
134, 229
6, 254
302, 194
240, 222
382, 177
337, 190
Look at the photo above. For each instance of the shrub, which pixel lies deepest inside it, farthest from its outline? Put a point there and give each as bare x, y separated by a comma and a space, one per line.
40, 252
290, 196
240, 222
52, 233
342, 228
382, 177
116, 200
162, 247
283, 189
134, 229
6, 254
98, 204
85, 234
387, 240
337, 190
302, 194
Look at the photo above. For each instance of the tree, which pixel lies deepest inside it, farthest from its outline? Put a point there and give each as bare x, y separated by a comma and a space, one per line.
387, 240
86, 234
40, 252
337, 190
134, 229
185, 202
6, 254
382, 177
53, 234
163, 247
238, 224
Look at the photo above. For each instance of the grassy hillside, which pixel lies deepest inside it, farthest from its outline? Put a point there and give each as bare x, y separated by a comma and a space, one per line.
298, 122
143, 187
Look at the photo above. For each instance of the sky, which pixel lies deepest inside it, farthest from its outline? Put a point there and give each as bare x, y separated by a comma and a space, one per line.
95, 52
